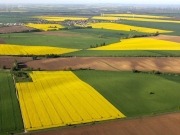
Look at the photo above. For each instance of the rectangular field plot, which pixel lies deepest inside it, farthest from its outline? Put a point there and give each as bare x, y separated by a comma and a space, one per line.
136, 94
141, 44
8, 49
124, 27
60, 98
60, 18
10, 115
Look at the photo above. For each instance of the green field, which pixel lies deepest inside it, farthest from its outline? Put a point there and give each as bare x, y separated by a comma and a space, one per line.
130, 92
10, 115
16, 17
79, 39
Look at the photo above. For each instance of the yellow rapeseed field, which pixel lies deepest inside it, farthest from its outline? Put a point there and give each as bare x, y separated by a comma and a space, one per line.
60, 18
60, 98
115, 18
124, 27
7, 49
45, 27
136, 16
148, 20
109, 18
141, 44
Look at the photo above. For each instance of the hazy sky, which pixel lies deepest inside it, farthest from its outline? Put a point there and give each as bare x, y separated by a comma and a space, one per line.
95, 1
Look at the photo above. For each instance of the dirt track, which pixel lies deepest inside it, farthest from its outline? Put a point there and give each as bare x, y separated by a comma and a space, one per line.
158, 125
107, 63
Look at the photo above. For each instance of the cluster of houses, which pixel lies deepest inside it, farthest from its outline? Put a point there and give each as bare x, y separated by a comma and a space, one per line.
82, 23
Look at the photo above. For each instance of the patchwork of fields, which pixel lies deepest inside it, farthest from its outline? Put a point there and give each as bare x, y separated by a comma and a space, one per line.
10, 114
59, 99
141, 44
36, 100
6, 49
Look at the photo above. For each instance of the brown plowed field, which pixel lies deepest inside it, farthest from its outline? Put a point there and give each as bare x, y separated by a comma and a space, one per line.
107, 63
168, 38
8, 61
167, 124
12, 29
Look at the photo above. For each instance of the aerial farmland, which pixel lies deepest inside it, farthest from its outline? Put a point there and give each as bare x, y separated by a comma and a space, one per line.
89, 68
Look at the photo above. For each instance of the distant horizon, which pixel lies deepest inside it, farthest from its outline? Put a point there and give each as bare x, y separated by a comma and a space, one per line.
74, 2
98, 4
90, 4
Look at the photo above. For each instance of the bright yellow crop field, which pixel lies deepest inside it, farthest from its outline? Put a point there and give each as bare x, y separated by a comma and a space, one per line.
60, 98
109, 18
136, 16
7, 49
45, 27
59, 19
141, 44
115, 18
124, 27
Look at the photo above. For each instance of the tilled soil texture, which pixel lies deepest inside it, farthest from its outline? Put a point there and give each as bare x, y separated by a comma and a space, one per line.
157, 125
14, 29
168, 38
8, 61
108, 63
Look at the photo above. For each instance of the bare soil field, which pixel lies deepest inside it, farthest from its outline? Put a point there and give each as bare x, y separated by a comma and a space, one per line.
13, 29
97, 63
108, 63
166, 124
168, 38
8, 61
